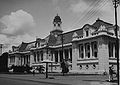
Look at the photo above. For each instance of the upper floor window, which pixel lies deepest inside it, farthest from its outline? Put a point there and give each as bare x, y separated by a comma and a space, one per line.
81, 54
56, 56
87, 33
110, 46
41, 54
38, 56
95, 46
35, 56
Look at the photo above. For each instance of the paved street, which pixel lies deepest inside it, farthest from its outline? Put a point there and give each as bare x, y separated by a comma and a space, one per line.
29, 79
7, 81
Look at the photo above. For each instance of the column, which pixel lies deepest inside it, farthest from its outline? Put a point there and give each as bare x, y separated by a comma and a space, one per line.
36, 56
114, 50
84, 51
58, 56
103, 56
9, 61
63, 54
44, 55
75, 56
68, 53
39, 56
31, 58
53, 56
91, 50
16, 59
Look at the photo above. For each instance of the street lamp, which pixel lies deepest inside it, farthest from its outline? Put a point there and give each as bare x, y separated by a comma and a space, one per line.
116, 3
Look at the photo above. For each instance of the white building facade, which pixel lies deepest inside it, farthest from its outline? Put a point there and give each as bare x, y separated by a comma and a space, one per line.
90, 49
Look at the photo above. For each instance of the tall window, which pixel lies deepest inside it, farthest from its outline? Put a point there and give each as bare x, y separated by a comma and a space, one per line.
41, 55
81, 52
110, 47
87, 50
56, 56
94, 49
34, 56
38, 58
87, 33
66, 54
61, 55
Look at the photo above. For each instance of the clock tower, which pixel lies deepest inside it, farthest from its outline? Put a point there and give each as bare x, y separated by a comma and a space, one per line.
57, 25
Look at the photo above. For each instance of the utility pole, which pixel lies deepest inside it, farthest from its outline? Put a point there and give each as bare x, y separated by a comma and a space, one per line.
116, 3
1, 46
62, 53
62, 46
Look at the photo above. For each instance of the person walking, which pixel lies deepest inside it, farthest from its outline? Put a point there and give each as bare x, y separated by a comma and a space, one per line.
111, 74
33, 72
63, 66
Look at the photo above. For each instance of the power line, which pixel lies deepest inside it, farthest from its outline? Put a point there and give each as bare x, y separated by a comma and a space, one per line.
86, 11
92, 11
96, 12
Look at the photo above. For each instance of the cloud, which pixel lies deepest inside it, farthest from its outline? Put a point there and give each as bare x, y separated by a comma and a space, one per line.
17, 23
16, 28
8, 42
89, 10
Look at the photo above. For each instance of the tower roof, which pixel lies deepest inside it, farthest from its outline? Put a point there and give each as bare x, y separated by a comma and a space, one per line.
57, 19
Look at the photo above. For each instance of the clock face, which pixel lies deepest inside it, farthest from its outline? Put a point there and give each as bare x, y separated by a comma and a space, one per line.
55, 35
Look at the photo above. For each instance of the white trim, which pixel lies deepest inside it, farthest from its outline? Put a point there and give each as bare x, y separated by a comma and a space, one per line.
87, 61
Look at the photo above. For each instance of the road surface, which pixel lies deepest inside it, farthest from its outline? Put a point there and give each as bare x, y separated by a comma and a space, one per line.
8, 81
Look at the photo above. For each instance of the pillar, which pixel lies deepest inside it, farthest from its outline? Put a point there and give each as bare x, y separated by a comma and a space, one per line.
63, 54
114, 50
90, 50
9, 61
75, 55
84, 51
31, 58
103, 55
68, 53
58, 56
44, 55
54, 56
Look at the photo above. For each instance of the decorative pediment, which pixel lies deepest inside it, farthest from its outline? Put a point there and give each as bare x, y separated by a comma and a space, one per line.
86, 27
102, 28
75, 35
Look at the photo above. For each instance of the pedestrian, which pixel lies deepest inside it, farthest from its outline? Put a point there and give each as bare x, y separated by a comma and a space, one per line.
33, 72
111, 74
63, 66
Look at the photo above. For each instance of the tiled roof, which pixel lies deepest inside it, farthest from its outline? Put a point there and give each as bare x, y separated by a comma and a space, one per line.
54, 40
22, 46
26, 46
67, 37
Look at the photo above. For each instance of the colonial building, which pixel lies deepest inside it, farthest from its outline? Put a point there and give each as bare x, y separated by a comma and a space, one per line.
90, 49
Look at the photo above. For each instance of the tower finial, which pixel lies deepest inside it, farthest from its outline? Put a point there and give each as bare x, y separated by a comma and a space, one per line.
57, 14
57, 25
57, 21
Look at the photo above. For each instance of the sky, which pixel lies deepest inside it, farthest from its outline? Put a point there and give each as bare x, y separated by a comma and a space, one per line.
24, 20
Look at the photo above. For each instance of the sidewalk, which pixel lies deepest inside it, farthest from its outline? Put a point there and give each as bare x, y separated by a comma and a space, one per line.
62, 80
